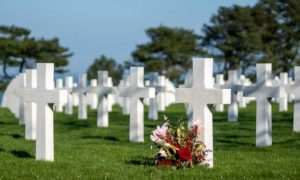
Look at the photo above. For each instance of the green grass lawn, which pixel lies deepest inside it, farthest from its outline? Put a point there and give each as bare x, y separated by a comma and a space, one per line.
84, 151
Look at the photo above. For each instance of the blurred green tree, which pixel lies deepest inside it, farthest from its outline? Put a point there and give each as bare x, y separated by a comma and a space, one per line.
10, 37
279, 20
233, 38
269, 31
17, 48
104, 63
168, 52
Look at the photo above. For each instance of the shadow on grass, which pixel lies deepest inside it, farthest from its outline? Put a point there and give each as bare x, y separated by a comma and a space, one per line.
150, 126
110, 138
232, 143
141, 161
21, 154
5, 123
250, 129
77, 124
236, 136
288, 143
16, 136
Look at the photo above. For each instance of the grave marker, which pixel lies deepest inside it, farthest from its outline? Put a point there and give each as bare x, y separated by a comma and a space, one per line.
294, 89
81, 90
200, 95
160, 96
102, 90
263, 90
152, 109
22, 84
93, 97
241, 99
43, 95
146, 101
59, 86
290, 95
283, 100
135, 91
111, 98
125, 100
69, 87
188, 106
31, 108
232, 83
219, 83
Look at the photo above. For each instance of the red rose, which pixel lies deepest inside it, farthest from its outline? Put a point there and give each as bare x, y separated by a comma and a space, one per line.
184, 154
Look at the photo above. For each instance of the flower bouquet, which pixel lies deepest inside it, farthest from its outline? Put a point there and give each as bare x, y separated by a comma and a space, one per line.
177, 146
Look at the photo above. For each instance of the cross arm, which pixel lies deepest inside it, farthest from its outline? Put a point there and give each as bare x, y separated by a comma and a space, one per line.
234, 87
100, 90
80, 89
257, 90
138, 92
207, 96
47, 96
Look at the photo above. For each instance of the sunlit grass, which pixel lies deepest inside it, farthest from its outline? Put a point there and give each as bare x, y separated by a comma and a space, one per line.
84, 151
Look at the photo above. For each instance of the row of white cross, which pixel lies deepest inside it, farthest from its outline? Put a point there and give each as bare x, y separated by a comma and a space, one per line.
89, 95
38, 92
237, 98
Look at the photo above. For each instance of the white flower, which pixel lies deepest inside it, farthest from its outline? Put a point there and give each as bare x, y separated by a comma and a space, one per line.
162, 153
197, 124
161, 132
159, 141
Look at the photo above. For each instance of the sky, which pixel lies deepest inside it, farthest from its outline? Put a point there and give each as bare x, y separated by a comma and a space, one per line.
90, 28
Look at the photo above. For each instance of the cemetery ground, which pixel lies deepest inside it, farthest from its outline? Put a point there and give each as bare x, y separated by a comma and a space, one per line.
84, 151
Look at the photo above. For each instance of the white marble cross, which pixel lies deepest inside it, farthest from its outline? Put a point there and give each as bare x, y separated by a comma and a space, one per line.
111, 98
241, 99
275, 82
263, 90
125, 100
22, 84
160, 89
69, 87
219, 83
200, 95
283, 100
146, 101
294, 89
152, 109
15, 100
135, 91
43, 95
290, 95
170, 92
232, 83
31, 108
11, 98
188, 83
75, 96
102, 90
59, 86
81, 89
93, 97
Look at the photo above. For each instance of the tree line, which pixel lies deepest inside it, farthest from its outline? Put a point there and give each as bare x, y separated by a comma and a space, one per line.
19, 50
237, 37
